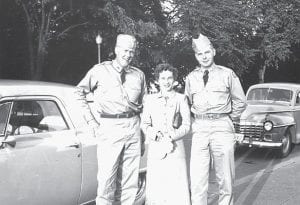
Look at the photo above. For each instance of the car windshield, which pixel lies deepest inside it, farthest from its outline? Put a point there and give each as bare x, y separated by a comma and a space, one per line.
270, 95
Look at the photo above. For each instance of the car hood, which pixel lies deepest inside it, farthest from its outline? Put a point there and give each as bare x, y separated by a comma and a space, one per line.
262, 112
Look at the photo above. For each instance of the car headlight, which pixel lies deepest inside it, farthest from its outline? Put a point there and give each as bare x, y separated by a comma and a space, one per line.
268, 125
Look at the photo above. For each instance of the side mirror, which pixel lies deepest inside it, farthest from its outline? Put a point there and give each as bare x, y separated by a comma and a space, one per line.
10, 140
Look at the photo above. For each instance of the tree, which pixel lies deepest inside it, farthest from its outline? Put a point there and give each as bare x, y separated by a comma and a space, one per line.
225, 22
44, 20
142, 18
276, 32
247, 33
50, 23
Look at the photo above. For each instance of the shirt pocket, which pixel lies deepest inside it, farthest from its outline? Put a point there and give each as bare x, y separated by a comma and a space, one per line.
196, 87
219, 95
133, 87
133, 93
110, 90
219, 88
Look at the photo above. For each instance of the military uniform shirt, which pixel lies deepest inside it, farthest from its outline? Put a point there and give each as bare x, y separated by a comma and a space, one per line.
110, 96
223, 92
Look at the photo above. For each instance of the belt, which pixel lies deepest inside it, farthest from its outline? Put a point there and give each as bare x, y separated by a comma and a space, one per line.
121, 115
209, 116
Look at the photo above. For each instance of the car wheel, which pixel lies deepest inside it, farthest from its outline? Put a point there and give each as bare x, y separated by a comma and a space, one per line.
286, 147
141, 194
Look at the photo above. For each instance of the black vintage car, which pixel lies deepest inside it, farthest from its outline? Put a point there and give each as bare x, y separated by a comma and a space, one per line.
272, 117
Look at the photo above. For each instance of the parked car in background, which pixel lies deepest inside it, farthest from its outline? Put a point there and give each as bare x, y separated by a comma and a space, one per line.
272, 117
47, 149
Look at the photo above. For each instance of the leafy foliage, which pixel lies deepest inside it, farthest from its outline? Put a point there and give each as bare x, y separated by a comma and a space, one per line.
225, 22
138, 18
277, 29
60, 35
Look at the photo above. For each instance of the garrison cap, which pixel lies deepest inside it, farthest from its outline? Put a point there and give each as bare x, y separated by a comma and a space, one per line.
126, 41
200, 41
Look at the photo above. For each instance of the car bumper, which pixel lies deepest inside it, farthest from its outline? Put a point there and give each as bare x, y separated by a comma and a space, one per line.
251, 143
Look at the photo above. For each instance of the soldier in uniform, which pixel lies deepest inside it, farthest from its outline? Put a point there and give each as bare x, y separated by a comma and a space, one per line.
216, 98
118, 90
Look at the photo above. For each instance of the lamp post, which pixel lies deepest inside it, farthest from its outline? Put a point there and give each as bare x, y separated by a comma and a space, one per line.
99, 41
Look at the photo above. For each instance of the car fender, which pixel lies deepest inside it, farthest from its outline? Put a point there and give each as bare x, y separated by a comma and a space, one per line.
284, 120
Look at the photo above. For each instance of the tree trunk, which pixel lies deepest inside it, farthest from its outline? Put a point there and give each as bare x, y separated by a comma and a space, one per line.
158, 13
31, 53
39, 63
40, 54
30, 31
261, 74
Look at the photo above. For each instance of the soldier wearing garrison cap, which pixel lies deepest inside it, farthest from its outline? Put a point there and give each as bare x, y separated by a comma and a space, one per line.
216, 98
118, 90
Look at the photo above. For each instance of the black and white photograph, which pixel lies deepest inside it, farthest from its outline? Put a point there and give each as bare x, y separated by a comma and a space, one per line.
149, 102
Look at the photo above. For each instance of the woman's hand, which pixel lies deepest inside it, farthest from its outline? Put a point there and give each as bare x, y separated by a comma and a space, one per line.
159, 136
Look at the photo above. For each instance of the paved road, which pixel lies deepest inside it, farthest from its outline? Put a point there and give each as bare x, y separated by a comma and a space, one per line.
264, 179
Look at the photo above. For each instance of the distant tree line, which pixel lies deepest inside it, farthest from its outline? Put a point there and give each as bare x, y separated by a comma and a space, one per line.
54, 40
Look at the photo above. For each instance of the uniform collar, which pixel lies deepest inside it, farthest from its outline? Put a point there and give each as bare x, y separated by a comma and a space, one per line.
213, 67
118, 68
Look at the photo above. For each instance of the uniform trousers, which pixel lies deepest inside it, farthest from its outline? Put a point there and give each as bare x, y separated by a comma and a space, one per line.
118, 154
212, 138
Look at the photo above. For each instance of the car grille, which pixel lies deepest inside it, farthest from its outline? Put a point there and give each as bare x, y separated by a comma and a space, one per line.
249, 130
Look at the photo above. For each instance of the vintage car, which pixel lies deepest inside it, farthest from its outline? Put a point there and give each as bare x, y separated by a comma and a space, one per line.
48, 151
272, 117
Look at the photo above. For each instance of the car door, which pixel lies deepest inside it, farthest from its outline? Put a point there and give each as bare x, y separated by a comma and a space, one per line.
297, 116
40, 156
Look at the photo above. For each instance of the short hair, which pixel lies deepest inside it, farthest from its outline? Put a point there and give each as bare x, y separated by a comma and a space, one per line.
165, 67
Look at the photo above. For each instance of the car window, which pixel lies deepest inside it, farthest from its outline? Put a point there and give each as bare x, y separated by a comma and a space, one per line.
270, 94
4, 111
34, 116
